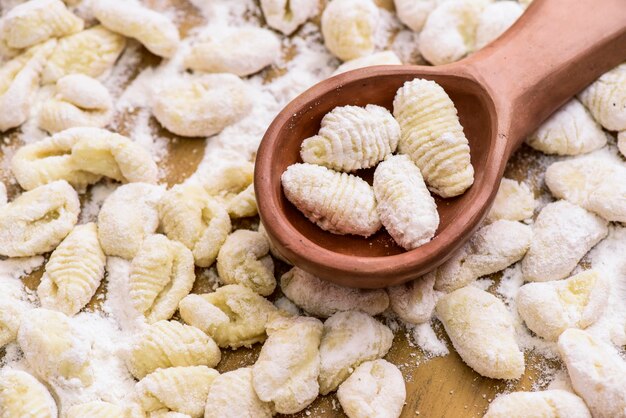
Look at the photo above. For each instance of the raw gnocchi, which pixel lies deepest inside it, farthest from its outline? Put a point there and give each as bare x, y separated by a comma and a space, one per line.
414, 13
287, 15
514, 202
414, 302
233, 315
73, 272
493, 248
321, 298
232, 396
11, 310
550, 308
481, 330
21, 395
433, 137
375, 389
562, 234
336, 202
171, 344
377, 58
288, 366
232, 185
547, 403
161, 275
348, 27
621, 142
349, 339
38, 220
352, 138
606, 99
494, 20
154, 30
202, 105
244, 259
100, 409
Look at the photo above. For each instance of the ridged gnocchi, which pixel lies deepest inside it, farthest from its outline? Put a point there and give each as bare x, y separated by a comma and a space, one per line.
569, 131
336, 202
494, 20
288, 366
38, 220
413, 13
232, 185
202, 105
287, 15
322, 298
548, 403
433, 137
11, 310
349, 339
377, 58
514, 202
562, 234
375, 389
493, 248
244, 259
178, 389
21, 395
171, 344
352, 138
100, 409
414, 302
550, 308
198, 221
606, 99
348, 27
233, 315
481, 330
73, 272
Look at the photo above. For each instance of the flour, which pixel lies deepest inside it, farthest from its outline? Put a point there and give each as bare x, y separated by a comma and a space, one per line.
118, 304
96, 197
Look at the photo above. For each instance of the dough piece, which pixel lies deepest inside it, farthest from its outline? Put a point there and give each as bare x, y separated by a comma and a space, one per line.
161, 275
433, 137
514, 202
570, 131
414, 302
171, 344
493, 248
73, 272
323, 299
38, 220
597, 371
375, 389
273, 249
352, 138
350, 338
377, 58
552, 307
562, 234
233, 315
21, 395
190, 216
233, 187
336, 202
232, 396
55, 349
178, 389
592, 183
288, 366
606, 99
348, 27
406, 208
127, 217
36, 21
414, 13
481, 330
100, 409
91, 52
494, 20
242, 51
621, 142
547, 404
287, 15
3, 194
244, 259
129, 18
11, 310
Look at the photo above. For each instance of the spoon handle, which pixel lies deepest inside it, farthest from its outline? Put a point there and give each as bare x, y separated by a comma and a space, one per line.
550, 54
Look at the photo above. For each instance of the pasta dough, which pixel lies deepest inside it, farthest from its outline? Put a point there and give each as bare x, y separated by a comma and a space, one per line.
348, 27
494, 20
233, 187
21, 395
547, 403
414, 13
232, 396
377, 58
287, 15
414, 301
514, 202
606, 99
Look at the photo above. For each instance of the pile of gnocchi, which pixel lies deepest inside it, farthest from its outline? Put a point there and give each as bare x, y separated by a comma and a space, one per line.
142, 260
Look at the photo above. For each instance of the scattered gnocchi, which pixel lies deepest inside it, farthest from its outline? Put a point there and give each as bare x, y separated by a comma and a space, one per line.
377, 58
348, 27
100, 409
287, 15
21, 395
414, 302
414, 13
232, 186
606, 99
232, 395
494, 20
514, 202
547, 403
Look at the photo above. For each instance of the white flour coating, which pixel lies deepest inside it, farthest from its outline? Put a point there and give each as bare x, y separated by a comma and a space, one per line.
118, 303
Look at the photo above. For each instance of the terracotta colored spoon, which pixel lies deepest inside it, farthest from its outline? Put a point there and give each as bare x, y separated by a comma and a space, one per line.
502, 94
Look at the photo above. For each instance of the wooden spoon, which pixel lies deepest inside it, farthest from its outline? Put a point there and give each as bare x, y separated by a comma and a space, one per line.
502, 93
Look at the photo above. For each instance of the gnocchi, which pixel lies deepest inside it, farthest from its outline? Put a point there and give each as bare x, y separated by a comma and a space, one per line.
514, 202
548, 403
73, 272
287, 15
100, 409
562, 234
414, 302
336, 202
433, 137
405, 207
233, 315
161, 275
232, 396
352, 138
273, 249
21, 395
321, 298
481, 330
375, 389
621, 142
377, 58
288, 366
232, 186
349, 339
606, 99
494, 20
493, 248
413, 13
348, 27
11, 310
244, 259
38, 220
550, 308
